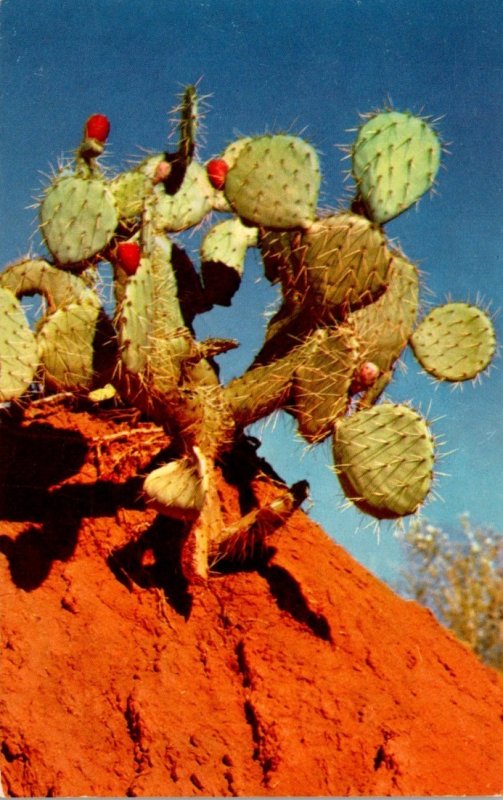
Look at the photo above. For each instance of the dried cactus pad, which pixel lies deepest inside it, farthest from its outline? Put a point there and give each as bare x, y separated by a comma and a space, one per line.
274, 182
384, 459
178, 489
396, 157
18, 348
78, 218
454, 342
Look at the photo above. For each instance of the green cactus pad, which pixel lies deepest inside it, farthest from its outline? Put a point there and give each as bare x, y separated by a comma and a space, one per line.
66, 346
454, 342
136, 317
36, 276
78, 217
383, 328
18, 348
320, 391
130, 191
396, 157
347, 262
152, 336
223, 253
234, 149
230, 154
274, 182
384, 459
188, 206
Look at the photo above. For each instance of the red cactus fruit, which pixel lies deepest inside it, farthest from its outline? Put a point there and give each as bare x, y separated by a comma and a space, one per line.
368, 373
365, 377
217, 170
128, 256
97, 127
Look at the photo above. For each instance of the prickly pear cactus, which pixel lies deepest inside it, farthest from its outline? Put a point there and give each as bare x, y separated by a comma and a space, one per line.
348, 307
396, 157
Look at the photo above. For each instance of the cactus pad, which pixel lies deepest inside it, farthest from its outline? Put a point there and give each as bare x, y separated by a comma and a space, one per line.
188, 124
130, 191
18, 348
36, 276
223, 252
454, 342
274, 182
320, 393
347, 262
66, 346
396, 157
78, 218
177, 489
384, 459
384, 327
188, 206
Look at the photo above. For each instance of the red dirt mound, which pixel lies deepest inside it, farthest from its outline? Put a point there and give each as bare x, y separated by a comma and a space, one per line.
299, 674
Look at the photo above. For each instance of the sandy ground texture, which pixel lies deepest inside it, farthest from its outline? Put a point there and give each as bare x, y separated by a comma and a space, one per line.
297, 674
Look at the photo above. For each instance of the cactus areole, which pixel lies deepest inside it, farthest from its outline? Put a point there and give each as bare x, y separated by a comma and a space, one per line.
348, 308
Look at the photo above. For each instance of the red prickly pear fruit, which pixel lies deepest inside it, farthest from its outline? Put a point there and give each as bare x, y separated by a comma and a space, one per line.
128, 256
365, 377
217, 170
162, 171
368, 373
97, 127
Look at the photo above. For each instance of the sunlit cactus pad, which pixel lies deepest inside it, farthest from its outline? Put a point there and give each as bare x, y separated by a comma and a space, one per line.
384, 459
35, 276
188, 206
18, 348
396, 157
78, 217
384, 327
454, 342
130, 191
320, 392
347, 261
66, 346
223, 252
274, 182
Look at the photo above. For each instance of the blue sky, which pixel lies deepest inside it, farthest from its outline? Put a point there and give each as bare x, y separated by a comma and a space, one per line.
310, 67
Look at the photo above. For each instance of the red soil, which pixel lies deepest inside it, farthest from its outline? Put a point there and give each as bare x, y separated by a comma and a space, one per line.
299, 675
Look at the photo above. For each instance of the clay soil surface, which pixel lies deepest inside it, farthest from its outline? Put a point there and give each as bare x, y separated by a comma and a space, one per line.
297, 674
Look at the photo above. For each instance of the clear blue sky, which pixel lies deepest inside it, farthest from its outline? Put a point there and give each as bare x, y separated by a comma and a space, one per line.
303, 66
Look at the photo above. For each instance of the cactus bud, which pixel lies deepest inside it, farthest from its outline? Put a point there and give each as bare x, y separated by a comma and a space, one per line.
97, 127
217, 170
162, 171
128, 256
365, 377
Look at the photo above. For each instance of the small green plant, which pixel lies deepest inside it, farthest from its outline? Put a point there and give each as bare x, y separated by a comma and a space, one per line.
349, 306
460, 578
